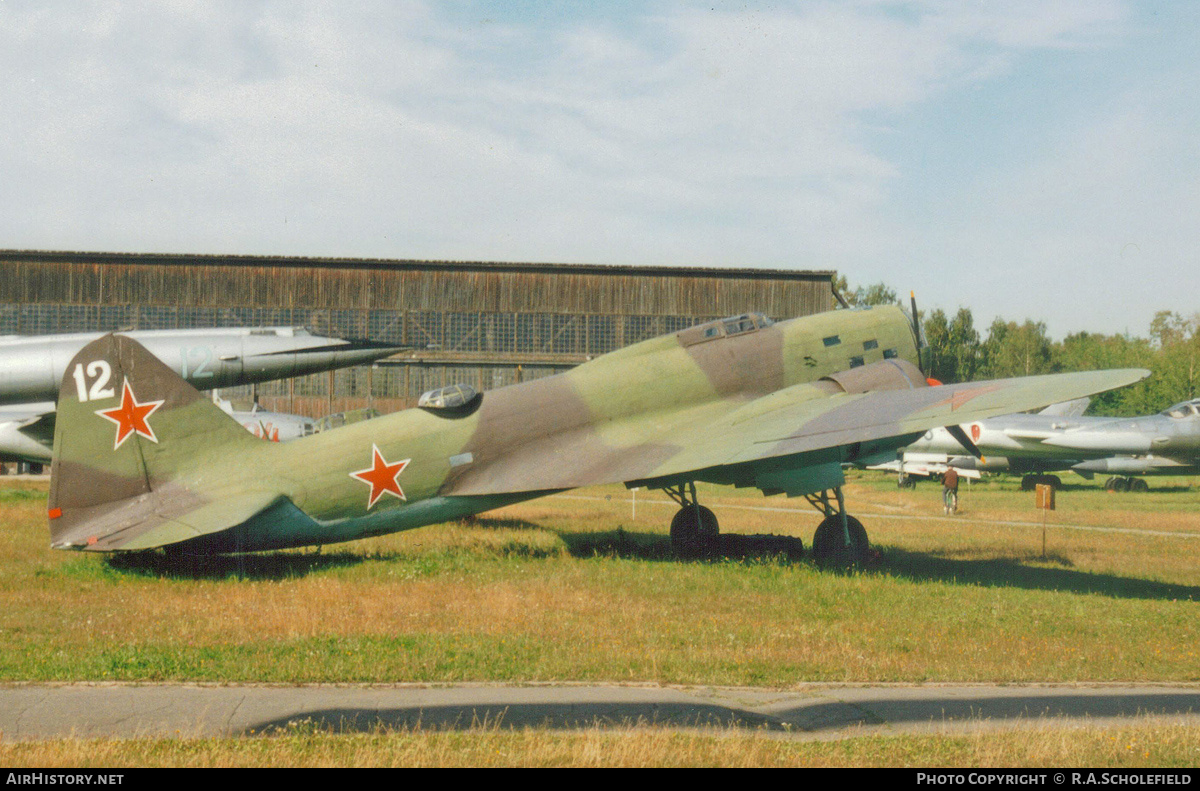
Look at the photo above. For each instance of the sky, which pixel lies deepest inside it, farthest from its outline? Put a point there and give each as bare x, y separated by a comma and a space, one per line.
1025, 158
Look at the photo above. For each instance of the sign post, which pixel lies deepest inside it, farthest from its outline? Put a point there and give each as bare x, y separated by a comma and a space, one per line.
1045, 501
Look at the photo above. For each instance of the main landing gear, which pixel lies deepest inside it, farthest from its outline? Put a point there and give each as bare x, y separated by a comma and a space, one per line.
694, 528
1030, 482
839, 538
1122, 484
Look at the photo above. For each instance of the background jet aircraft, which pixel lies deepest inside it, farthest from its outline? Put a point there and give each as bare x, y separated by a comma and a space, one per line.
264, 424
1164, 444
931, 461
743, 401
33, 367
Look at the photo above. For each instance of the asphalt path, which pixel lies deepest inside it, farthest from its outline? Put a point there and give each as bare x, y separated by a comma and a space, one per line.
820, 711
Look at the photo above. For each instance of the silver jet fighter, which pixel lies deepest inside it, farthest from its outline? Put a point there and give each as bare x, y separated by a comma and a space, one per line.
1167, 443
33, 367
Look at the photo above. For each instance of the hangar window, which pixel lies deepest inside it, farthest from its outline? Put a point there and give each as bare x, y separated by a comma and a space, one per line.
856, 361
869, 345
890, 354
832, 340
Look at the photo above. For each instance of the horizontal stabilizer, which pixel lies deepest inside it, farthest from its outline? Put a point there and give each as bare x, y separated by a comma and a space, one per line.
161, 518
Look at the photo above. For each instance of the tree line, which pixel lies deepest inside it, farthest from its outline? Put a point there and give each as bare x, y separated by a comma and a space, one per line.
958, 352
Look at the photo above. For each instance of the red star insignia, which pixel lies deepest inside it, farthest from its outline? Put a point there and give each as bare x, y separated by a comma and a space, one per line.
131, 416
381, 476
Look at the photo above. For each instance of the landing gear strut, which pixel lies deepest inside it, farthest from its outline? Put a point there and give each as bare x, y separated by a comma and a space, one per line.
694, 528
839, 537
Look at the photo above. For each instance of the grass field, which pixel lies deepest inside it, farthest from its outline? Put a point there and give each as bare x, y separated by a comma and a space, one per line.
573, 587
1139, 744
576, 587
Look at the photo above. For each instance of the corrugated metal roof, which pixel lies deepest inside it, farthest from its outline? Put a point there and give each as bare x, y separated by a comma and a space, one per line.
191, 259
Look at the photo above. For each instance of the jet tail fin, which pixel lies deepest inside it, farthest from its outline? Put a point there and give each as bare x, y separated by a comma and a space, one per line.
1073, 408
130, 436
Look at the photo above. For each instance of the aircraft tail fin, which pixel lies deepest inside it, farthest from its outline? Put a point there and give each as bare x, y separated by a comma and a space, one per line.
1073, 408
130, 436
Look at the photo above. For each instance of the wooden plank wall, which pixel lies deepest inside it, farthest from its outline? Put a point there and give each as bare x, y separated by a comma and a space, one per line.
204, 283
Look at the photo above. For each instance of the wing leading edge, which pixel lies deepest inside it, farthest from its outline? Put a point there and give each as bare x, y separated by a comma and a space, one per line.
774, 435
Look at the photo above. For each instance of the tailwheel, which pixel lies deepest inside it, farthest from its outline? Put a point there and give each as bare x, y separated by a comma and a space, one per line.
694, 528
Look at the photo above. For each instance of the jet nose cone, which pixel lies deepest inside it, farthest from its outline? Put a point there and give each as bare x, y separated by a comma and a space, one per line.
357, 352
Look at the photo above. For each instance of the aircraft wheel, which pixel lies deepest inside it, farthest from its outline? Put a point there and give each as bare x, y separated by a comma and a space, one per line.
1138, 485
694, 532
1029, 483
1110, 485
905, 482
829, 542
1121, 485
1053, 480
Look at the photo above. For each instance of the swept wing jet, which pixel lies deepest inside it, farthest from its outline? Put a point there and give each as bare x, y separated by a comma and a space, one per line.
1164, 444
743, 401
32, 368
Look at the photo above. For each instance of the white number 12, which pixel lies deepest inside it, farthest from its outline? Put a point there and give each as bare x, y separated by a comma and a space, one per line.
101, 371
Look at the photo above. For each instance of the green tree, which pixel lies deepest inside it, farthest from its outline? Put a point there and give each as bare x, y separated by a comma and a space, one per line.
964, 346
1013, 349
1085, 351
943, 365
864, 296
1176, 367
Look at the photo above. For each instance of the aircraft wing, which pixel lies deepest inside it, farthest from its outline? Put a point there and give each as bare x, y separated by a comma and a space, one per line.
762, 441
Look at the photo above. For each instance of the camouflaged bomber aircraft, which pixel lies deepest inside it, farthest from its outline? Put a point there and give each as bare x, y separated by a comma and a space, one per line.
743, 401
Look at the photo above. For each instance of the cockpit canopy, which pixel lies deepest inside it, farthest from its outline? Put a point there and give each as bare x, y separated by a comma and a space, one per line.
452, 398
1185, 409
723, 328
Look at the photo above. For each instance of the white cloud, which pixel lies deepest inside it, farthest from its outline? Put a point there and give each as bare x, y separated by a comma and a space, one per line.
685, 135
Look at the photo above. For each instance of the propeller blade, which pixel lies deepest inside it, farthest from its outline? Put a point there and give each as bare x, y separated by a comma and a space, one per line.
916, 326
962, 438
912, 295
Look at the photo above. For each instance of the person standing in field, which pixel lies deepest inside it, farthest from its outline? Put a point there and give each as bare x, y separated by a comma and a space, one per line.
950, 491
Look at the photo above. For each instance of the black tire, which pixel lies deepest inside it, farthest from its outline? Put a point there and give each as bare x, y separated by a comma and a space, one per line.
1110, 485
1138, 485
829, 543
694, 531
1029, 483
1121, 485
1053, 480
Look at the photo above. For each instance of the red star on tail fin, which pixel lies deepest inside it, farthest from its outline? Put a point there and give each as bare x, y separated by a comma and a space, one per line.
131, 417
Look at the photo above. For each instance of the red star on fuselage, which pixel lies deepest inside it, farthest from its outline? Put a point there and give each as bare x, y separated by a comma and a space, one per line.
382, 476
131, 416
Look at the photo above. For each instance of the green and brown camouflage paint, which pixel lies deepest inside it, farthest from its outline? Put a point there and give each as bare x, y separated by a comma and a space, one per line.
777, 406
